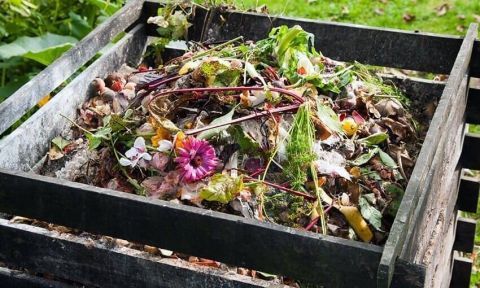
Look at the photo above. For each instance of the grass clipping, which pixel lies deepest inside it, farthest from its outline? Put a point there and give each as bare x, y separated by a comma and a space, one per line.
300, 148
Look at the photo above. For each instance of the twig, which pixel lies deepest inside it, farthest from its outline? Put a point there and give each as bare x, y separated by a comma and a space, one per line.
285, 189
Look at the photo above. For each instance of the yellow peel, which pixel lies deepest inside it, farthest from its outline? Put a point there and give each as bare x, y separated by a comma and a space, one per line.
356, 221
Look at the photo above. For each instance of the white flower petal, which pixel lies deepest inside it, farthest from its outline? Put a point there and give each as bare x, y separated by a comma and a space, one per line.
146, 156
125, 162
139, 143
164, 145
132, 152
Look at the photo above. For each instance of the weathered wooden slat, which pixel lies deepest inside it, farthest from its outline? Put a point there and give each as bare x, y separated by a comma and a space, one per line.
417, 182
470, 156
19, 279
468, 194
17, 153
55, 74
465, 235
462, 269
325, 260
374, 46
473, 111
408, 275
103, 265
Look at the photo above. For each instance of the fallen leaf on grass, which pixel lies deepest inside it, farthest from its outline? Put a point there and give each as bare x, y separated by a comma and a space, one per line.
442, 9
407, 17
379, 11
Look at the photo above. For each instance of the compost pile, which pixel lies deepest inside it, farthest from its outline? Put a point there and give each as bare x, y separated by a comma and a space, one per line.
271, 130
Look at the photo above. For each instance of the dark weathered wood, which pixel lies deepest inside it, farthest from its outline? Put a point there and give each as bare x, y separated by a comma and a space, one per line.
468, 194
409, 275
465, 235
470, 154
419, 181
105, 265
231, 239
51, 77
17, 153
375, 46
473, 111
462, 269
19, 279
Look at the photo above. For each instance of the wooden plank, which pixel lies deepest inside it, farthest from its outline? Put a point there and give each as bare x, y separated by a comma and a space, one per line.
55, 74
408, 275
417, 183
105, 265
276, 249
468, 194
20, 154
462, 269
19, 279
373, 45
473, 111
465, 235
470, 156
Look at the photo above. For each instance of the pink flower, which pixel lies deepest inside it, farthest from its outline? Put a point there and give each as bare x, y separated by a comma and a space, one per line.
195, 159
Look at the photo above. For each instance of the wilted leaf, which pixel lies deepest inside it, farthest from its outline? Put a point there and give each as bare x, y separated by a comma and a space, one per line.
60, 142
386, 159
222, 188
374, 139
218, 121
329, 118
364, 158
407, 17
442, 9
54, 153
370, 213
247, 144
43, 49
396, 193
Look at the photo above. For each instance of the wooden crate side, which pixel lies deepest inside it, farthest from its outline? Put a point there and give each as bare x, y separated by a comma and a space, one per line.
375, 46
19, 279
84, 261
55, 74
462, 269
326, 260
470, 156
29, 142
465, 235
420, 176
468, 194
473, 111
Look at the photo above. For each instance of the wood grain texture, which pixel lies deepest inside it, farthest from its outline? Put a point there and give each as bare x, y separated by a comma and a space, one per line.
18, 153
84, 261
19, 279
55, 74
276, 249
420, 179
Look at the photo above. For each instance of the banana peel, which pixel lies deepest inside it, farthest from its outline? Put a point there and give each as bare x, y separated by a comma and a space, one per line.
353, 216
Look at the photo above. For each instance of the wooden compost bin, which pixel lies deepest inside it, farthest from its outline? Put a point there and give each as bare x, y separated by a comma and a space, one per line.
419, 251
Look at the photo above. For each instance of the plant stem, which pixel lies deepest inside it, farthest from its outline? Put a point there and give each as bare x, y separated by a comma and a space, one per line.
285, 189
78, 126
292, 107
206, 52
227, 89
158, 82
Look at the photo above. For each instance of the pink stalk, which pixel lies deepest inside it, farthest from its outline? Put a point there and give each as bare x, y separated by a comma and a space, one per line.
312, 223
227, 89
156, 83
287, 108
281, 188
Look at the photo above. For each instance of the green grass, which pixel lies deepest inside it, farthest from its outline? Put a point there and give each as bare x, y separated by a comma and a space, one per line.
458, 16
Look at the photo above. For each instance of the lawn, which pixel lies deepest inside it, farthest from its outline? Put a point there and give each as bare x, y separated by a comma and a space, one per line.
451, 17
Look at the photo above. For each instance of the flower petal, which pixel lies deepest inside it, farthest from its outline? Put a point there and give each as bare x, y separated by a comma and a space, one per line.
124, 162
139, 143
164, 146
132, 152
146, 156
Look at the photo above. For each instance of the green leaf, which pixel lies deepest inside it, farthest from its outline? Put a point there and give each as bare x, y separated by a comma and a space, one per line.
107, 6
370, 213
386, 159
329, 118
207, 134
364, 158
93, 142
103, 133
60, 142
396, 193
374, 139
222, 188
79, 26
247, 144
43, 49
